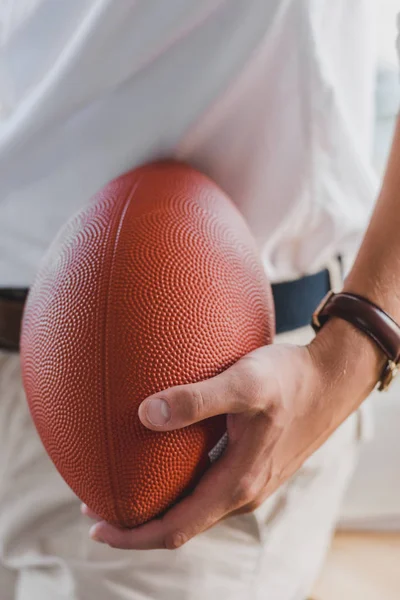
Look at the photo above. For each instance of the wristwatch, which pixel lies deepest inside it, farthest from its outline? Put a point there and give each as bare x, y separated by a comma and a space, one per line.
368, 318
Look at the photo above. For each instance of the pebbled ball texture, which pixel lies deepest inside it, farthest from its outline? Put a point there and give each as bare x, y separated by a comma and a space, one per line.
155, 283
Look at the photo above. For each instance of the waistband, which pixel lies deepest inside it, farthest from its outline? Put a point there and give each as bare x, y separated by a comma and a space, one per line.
295, 302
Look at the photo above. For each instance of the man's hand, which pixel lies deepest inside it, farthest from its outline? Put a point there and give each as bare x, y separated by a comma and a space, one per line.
282, 402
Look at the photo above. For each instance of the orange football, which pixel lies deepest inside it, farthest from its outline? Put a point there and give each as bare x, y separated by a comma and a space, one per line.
156, 282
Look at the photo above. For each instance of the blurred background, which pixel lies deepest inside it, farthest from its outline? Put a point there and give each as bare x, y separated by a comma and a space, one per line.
365, 556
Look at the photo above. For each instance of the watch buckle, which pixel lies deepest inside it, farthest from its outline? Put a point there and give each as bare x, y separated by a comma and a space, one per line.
316, 323
389, 373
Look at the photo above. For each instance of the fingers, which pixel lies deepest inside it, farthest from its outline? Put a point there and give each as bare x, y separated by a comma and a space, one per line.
236, 390
231, 483
260, 396
253, 505
85, 510
191, 516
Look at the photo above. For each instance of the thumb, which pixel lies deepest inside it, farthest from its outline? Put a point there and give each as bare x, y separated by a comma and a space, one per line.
186, 404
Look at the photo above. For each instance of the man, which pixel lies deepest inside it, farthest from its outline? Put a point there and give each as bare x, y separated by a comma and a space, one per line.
274, 101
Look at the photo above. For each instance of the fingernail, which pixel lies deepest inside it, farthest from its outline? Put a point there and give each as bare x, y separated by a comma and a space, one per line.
84, 509
158, 412
93, 534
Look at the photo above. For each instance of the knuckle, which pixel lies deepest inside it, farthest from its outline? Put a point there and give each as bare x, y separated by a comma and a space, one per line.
194, 404
252, 506
175, 540
251, 375
121, 543
246, 491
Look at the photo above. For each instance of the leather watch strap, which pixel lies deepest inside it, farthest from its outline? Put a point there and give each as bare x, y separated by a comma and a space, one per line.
367, 317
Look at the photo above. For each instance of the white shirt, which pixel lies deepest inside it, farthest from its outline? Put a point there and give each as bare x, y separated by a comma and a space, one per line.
273, 99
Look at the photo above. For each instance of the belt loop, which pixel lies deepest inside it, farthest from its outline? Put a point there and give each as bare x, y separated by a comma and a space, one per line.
335, 268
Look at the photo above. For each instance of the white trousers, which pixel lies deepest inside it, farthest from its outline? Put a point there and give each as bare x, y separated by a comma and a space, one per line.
45, 554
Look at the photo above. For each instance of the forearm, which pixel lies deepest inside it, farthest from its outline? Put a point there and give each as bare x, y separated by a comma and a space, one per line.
353, 360
376, 272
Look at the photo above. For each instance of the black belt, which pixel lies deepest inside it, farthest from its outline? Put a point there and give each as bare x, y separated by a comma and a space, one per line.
295, 302
11, 307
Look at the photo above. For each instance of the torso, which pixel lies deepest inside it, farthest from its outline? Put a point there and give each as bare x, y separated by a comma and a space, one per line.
272, 99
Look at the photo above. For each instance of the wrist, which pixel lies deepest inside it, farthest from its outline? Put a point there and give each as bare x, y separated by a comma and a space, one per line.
375, 290
349, 362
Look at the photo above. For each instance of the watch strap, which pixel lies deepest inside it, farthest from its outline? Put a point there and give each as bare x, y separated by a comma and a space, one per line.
367, 317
